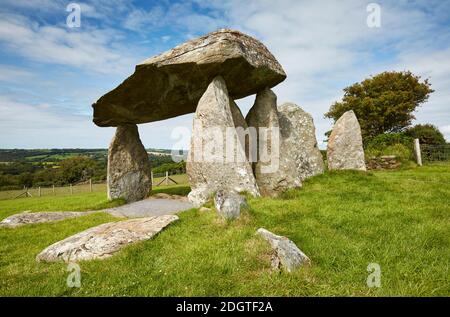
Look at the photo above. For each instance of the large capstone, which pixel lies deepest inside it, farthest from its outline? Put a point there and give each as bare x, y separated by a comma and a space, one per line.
129, 171
264, 152
171, 84
345, 148
300, 157
217, 158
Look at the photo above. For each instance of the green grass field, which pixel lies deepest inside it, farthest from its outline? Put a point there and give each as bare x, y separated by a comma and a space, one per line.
342, 220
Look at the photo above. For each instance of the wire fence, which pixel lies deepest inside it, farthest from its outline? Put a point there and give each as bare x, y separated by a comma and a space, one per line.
435, 153
160, 179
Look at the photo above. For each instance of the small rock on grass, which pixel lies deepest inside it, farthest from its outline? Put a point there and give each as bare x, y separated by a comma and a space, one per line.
229, 204
287, 255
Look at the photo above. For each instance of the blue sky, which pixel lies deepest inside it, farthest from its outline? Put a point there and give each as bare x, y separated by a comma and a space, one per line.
50, 74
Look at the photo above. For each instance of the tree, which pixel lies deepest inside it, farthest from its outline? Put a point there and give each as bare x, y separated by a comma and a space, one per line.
77, 168
383, 103
427, 134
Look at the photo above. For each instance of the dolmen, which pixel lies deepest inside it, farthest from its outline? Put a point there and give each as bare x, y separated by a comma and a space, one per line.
273, 149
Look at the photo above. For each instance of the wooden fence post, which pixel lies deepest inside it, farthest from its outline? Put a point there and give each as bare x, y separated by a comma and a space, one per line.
167, 178
152, 177
417, 152
53, 189
39, 191
90, 185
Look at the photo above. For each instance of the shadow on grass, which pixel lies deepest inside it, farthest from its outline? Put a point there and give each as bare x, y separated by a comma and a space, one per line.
181, 190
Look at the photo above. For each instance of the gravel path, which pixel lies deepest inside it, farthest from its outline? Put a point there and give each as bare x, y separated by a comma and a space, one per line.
150, 207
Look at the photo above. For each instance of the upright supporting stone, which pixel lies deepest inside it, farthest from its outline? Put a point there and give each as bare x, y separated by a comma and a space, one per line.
216, 157
263, 117
345, 148
287, 150
129, 170
418, 152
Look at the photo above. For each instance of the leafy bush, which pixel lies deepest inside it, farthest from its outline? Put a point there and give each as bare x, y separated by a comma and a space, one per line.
427, 134
398, 144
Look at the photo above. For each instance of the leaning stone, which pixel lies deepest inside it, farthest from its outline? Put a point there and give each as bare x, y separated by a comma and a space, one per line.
129, 171
229, 204
287, 255
171, 84
104, 240
300, 157
263, 116
345, 148
26, 218
216, 158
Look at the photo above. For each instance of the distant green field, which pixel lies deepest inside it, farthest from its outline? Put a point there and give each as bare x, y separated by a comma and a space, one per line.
343, 221
79, 189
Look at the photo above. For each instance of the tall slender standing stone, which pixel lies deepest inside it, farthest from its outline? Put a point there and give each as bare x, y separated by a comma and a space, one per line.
129, 170
216, 157
345, 148
263, 116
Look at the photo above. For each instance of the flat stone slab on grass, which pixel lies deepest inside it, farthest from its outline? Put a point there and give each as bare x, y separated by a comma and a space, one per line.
150, 207
26, 218
103, 241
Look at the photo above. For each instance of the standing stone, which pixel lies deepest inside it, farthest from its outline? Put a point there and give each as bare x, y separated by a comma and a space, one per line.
294, 153
300, 156
263, 117
216, 157
129, 171
345, 148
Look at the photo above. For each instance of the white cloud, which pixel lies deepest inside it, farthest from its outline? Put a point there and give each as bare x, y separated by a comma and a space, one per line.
445, 131
176, 16
324, 46
87, 49
14, 74
30, 126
